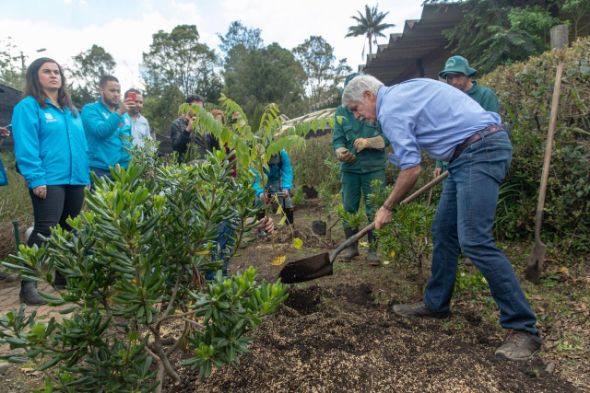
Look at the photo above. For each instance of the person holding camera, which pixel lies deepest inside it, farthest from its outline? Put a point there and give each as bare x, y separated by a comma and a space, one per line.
186, 141
140, 127
107, 128
50, 149
279, 184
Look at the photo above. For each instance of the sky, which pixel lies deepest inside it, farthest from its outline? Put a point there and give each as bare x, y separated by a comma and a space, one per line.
124, 28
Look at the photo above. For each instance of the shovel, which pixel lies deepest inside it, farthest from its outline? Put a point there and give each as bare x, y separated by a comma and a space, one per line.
537, 257
321, 265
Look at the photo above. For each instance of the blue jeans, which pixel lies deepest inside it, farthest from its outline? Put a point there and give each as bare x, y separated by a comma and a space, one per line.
464, 221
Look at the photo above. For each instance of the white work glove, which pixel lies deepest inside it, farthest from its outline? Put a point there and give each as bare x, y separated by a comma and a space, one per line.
376, 142
342, 154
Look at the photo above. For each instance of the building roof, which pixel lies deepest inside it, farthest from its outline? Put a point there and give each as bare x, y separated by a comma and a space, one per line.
420, 41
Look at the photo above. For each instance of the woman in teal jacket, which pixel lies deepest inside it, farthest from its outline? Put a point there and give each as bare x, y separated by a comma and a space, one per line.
51, 154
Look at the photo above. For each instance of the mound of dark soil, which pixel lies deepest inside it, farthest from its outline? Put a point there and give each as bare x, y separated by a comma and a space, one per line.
335, 339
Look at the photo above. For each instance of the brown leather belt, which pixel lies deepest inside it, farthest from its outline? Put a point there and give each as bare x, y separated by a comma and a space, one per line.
491, 129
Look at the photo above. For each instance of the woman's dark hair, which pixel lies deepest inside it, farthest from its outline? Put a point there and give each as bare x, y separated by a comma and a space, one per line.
33, 86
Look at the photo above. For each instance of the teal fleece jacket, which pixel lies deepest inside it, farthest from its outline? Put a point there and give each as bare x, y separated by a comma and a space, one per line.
49, 144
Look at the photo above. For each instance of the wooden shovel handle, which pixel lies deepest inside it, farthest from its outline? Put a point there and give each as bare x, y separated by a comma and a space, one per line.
548, 151
371, 226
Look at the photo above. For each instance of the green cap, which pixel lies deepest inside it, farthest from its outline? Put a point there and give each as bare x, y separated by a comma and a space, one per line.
457, 65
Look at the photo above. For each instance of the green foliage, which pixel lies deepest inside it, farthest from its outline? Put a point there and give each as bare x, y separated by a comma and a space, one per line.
88, 67
370, 25
472, 283
133, 264
15, 203
252, 149
501, 32
161, 109
256, 77
178, 59
525, 91
238, 34
576, 9
314, 164
407, 237
230, 308
12, 64
316, 56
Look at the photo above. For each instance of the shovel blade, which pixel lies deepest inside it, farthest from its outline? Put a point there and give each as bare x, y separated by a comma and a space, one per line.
306, 269
535, 265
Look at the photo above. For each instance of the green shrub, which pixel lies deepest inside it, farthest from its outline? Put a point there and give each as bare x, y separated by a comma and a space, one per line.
15, 203
133, 265
311, 162
525, 91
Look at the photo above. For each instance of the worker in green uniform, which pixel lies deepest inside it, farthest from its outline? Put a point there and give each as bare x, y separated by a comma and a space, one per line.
360, 147
458, 74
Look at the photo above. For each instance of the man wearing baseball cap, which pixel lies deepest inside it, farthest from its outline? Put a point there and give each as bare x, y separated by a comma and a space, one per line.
458, 74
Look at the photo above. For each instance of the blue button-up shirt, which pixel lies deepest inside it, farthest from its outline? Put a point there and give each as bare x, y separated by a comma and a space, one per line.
430, 115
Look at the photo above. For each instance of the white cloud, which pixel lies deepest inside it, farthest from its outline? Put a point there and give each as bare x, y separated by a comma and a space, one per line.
126, 36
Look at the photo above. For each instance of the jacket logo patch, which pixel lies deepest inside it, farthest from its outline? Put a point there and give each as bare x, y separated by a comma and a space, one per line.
49, 117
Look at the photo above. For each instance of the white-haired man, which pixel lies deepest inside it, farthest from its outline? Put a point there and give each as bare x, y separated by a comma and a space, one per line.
424, 114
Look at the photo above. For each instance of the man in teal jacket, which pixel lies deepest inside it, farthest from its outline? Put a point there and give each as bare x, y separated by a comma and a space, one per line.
108, 129
458, 74
360, 147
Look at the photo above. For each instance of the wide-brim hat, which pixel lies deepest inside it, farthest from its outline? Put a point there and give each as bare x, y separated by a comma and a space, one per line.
457, 65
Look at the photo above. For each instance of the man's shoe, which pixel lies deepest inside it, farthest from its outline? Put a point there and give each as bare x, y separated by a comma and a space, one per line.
519, 345
28, 294
373, 258
416, 310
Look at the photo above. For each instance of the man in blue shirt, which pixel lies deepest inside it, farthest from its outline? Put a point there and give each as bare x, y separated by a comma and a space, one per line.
424, 114
108, 130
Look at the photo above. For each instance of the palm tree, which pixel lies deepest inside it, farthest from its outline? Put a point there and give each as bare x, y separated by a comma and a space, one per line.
369, 25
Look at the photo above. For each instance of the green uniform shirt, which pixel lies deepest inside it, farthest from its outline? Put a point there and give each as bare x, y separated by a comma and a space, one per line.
485, 97
346, 130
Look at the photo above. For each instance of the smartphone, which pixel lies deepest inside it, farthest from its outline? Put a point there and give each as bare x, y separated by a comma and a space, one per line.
132, 96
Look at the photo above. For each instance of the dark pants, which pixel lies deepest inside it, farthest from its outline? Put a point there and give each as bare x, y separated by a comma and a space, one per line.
61, 202
356, 184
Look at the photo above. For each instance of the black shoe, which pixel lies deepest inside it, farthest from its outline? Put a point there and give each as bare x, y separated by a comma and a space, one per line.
353, 250
417, 310
519, 346
28, 294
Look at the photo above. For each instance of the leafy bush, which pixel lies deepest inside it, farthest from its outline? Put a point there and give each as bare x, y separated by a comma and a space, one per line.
407, 238
311, 162
525, 91
133, 265
15, 203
